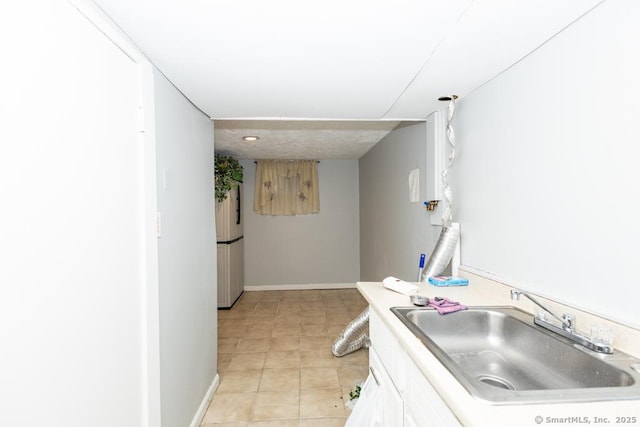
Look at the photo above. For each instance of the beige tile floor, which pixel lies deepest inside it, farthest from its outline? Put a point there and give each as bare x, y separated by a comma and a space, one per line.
275, 362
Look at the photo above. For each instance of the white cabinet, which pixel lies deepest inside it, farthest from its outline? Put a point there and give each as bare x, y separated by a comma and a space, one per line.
392, 408
230, 249
408, 398
423, 405
230, 272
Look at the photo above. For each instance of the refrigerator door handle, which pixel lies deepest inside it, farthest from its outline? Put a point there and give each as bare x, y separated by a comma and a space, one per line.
238, 209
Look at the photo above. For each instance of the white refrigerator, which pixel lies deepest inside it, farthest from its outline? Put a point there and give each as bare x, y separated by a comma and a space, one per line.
230, 248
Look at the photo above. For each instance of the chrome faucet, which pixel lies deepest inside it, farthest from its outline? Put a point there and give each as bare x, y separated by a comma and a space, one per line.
567, 329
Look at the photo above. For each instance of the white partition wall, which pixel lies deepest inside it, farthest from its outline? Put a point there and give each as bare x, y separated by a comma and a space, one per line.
100, 324
72, 311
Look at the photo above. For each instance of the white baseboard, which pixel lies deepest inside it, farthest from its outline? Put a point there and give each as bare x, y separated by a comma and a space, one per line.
202, 409
301, 287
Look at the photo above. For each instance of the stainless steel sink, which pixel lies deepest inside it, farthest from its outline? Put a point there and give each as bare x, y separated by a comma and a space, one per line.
499, 356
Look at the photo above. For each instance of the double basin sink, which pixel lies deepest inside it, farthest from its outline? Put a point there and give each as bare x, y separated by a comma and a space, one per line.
499, 356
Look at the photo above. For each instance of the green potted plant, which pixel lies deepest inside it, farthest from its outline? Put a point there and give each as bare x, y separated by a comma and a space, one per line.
228, 174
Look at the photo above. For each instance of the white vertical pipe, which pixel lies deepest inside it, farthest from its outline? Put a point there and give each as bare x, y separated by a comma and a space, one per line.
446, 188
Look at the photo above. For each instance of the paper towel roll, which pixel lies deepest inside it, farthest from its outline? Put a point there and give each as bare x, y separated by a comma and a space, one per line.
399, 286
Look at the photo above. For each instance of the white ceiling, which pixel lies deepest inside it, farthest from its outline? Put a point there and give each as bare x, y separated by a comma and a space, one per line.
256, 61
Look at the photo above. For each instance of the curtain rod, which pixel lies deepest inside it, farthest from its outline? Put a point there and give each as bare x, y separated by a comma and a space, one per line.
317, 161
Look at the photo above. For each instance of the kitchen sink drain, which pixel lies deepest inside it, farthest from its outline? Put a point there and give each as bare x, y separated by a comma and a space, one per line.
494, 381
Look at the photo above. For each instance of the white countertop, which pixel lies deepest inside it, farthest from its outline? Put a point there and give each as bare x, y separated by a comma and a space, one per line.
469, 410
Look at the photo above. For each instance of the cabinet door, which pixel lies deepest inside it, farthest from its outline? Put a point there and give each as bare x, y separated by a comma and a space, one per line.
423, 404
392, 405
236, 281
388, 349
409, 421
224, 274
368, 409
228, 216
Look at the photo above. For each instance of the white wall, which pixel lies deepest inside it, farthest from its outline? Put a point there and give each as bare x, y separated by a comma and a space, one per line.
547, 174
187, 254
72, 232
393, 230
545, 180
305, 249
89, 336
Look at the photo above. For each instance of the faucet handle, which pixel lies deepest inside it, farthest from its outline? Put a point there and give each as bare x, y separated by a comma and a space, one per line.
541, 314
569, 322
601, 335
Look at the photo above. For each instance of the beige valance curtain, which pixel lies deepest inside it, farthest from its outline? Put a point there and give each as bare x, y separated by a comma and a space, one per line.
286, 187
